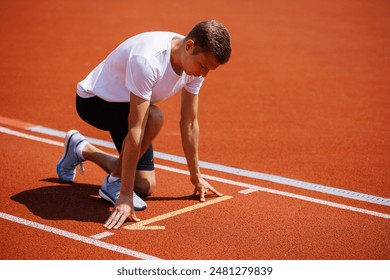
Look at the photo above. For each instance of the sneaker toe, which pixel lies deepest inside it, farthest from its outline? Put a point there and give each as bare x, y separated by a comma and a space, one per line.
66, 176
111, 191
139, 204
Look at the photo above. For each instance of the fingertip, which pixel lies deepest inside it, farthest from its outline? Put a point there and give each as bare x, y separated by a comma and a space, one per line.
135, 218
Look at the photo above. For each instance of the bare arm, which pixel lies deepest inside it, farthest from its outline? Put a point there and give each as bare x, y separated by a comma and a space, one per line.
189, 128
139, 111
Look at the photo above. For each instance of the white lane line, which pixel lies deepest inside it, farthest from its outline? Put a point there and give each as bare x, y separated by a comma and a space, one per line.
252, 188
74, 236
61, 134
231, 182
218, 167
31, 137
102, 235
248, 191
240, 172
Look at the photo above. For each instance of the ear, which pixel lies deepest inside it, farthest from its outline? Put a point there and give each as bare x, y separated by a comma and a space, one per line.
190, 45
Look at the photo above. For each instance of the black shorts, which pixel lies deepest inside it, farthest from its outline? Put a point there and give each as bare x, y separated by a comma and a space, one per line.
112, 117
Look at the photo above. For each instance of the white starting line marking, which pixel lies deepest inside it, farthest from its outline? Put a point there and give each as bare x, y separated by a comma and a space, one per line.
77, 237
102, 235
218, 167
248, 186
143, 225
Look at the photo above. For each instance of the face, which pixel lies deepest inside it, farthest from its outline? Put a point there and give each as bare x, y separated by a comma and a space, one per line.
199, 64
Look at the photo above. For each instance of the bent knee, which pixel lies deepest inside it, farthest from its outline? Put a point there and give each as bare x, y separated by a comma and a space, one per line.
145, 183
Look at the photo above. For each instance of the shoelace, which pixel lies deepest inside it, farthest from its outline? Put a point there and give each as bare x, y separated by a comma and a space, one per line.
82, 167
79, 160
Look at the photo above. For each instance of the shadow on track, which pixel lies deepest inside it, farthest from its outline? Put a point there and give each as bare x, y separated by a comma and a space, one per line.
79, 202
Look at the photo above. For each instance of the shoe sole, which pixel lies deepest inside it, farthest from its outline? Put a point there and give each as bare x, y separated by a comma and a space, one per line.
68, 136
106, 197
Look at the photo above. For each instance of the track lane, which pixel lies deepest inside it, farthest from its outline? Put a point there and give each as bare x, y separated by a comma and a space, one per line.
227, 223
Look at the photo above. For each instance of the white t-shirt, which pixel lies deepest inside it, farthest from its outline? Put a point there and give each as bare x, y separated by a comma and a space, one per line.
140, 65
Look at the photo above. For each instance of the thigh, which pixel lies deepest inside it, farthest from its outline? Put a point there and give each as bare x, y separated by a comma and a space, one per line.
104, 115
112, 117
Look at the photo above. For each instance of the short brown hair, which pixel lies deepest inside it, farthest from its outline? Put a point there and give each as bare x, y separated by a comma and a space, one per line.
211, 36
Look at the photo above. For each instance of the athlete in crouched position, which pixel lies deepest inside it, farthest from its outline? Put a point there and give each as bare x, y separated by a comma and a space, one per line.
120, 96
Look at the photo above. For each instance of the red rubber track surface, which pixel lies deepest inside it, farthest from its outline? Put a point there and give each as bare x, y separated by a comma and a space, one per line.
305, 96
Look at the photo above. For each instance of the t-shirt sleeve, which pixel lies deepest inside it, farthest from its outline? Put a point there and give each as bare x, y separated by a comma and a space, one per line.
140, 77
194, 84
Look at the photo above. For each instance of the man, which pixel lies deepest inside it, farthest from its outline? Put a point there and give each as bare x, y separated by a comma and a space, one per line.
119, 96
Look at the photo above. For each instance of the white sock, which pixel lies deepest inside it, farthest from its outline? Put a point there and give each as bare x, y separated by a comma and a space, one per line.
79, 149
112, 179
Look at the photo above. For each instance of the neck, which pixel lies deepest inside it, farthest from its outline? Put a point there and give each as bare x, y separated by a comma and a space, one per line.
176, 51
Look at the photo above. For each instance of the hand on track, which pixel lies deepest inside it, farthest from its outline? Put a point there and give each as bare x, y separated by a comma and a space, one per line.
123, 209
202, 187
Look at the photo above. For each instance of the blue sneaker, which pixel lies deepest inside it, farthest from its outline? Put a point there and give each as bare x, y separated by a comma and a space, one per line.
110, 192
66, 167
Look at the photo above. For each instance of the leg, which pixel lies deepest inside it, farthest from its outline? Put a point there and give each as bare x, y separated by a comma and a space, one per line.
106, 161
108, 116
113, 117
145, 180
